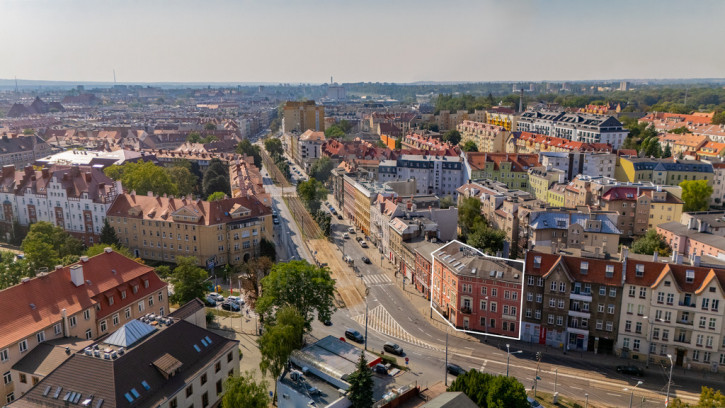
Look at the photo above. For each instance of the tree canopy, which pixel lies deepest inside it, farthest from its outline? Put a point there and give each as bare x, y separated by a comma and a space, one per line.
246, 147
186, 181
12, 271
188, 280
306, 287
244, 391
338, 130
469, 146
452, 136
273, 146
280, 338
651, 242
709, 398
108, 234
475, 230
216, 196
321, 169
216, 178
491, 391
696, 195
311, 192
143, 177
47, 245
361, 383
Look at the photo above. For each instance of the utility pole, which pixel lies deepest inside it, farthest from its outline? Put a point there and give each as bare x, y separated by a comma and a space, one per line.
536, 373
556, 377
669, 382
445, 369
367, 291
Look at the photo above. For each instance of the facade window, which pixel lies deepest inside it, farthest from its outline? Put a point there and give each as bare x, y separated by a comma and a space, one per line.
189, 391
87, 314
4, 356
141, 306
205, 400
539, 298
638, 327
127, 312
628, 326
23, 345
643, 293
7, 378
174, 403
57, 329
203, 379
104, 326
115, 319
229, 357
551, 319
217, 366
89, 334
218, 387
40, 336
72, 321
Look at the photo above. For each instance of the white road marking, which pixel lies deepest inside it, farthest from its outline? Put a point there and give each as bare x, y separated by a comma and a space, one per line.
383, 322
576, 388
614, 395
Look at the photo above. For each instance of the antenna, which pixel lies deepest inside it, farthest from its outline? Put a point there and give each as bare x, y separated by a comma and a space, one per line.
16, 85
114, 76
331, 80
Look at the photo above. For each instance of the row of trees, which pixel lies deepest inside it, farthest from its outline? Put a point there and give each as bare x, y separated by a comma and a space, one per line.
475, 230
276, 152
216, 180
487, 390
338, 130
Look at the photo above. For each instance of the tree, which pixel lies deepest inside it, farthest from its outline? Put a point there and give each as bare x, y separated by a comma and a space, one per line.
246, 147
267, 248
216, 196
281, 337
667, 152
193, 137
469, 213
696, 195
680, 130
108, 234
244, 391
306, 287
216, 178
12, 271
188, 280
487, 239
209, 139
143, 177
469, 146
254, 271
322, 168
186, 181
447, 202
651, 242
28, 132
209, 126
311, 192
47, 245
361, 383
452, 136
334, 132
488, 390
718, 118
100, 248
273, 147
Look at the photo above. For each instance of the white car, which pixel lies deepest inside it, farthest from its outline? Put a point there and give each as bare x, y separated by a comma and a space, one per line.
215, 296
363, 244
346, 235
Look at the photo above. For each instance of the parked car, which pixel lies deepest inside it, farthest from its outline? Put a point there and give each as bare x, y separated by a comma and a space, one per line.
276, 221
534, 403
236, 299
216, 296
339, 216
455, 369
210, 302
351, 230
366, 259
393, 348
358, 239
380, 369
346, 235
311, 390
354, 335
630, 370
230, 306
363, 244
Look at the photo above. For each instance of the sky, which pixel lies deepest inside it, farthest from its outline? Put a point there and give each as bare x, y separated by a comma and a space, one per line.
308, 41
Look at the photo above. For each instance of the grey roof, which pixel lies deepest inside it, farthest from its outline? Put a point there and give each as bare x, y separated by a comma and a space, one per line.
549, 220
677, 228
129, 334
451, 400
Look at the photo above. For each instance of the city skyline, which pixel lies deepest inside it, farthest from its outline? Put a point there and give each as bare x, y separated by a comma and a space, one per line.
282, 41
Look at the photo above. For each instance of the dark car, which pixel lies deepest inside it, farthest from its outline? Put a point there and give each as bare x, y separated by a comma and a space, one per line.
393, 348
380, 369
630, 370
354, 335
231, 306
339, 216
455, 369
365, 259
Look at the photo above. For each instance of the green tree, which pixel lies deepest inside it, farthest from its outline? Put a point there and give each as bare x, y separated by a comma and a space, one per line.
143, 177
306, 287
216, 196
267, 248
47, 245
273, 146
322, 168
469, 213
193, 137
452, 136
311, 192
209, 126
361, 383
398, 144
12, 271
492, 391
447, 202
680, 130
334, 132
108, 234
100, 248
164, 271
281, 337
487, 239
469, 146
209, 139
696, 195
216, 178
244, 391
718, 118
651, 242
185, 180
246, 147
28, 132
667, 152
188, 280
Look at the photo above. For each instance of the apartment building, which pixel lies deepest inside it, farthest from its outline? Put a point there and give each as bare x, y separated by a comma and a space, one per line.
301, 116
595, 164
661, 171
308, 148
511, 169
683, 144
84, 300
692, 239
572, 303
22, 150
487, 137
153, 362
221, 232
593, 232
641, 209
75, 198
499, 116
477, 292
433, 174
671, 308
578, 127
542, 179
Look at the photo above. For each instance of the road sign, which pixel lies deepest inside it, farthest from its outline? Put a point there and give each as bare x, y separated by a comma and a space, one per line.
406, 361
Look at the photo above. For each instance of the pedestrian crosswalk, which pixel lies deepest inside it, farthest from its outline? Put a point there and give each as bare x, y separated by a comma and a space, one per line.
377, 279
381, 321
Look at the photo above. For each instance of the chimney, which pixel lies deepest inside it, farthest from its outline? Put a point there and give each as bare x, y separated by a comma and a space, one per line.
624, 254
108, 250
88, 176
655, 256
8, 170
691, 223
701, 226
696, 260
66, 327
76, 275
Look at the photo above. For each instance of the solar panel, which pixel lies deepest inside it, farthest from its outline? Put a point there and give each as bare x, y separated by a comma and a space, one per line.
203, 342
128, 397
197, 348
135, 393
145, 385
208, 340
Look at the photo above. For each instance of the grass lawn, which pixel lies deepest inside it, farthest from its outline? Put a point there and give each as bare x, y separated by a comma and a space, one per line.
547, 400
222, 313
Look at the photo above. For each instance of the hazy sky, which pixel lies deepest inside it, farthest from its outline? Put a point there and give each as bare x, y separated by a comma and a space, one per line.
365, 40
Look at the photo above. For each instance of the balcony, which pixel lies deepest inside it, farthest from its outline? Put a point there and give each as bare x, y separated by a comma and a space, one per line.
466, 310
581, 296
580, 314
577, 330
685, 321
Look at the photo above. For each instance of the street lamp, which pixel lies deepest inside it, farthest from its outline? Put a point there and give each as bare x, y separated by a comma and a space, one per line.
508, 357
649, 350
446, 367
367, 291
586, 404
631, 396
485, 326
669, 382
